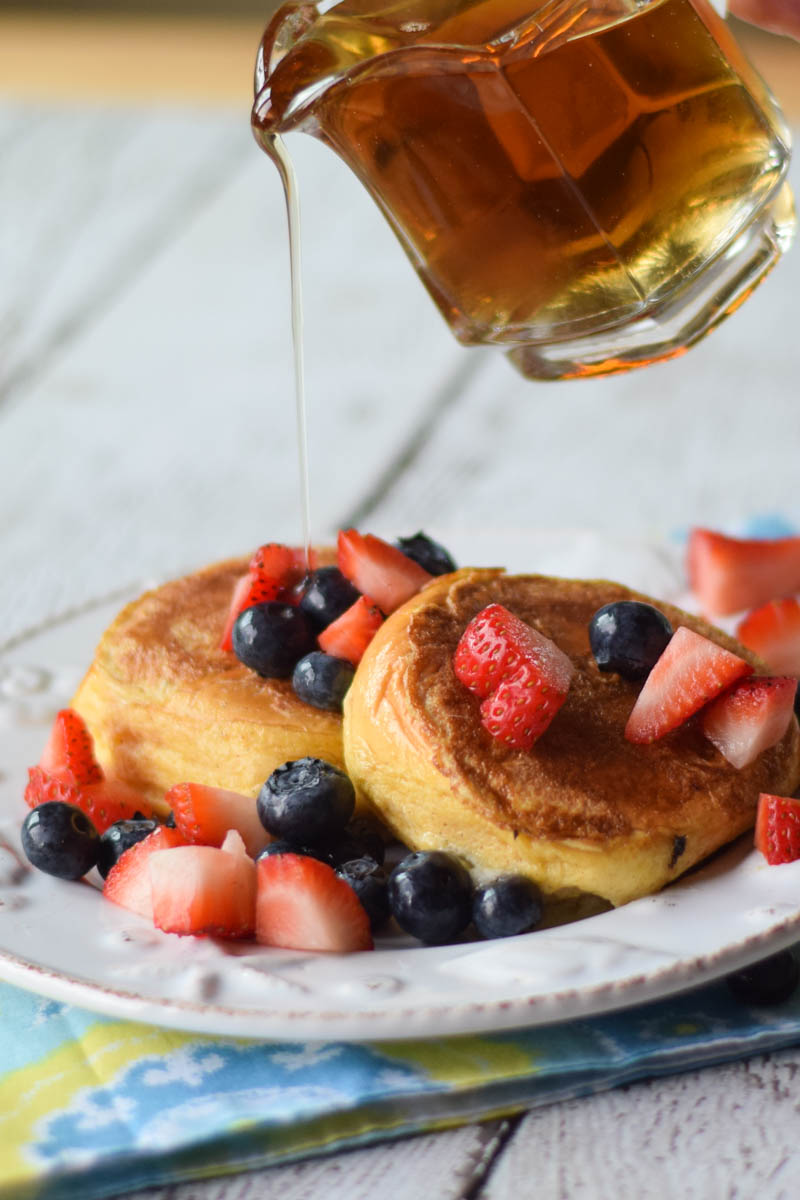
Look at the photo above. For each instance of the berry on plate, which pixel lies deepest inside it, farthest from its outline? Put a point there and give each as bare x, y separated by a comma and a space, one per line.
509, 905
306, 800
379, 570
430, 895
128, 881
70, 748
522, 707
750, 717
248, 591
271, 638
302, 904
728, 574
692, 671
496, 643
322, 680
778, 828
60, 840
521, 675
204, 815
105, 802
349, 635
628, 637
326, 595
430, 555
773, 632
118, 838
368, 880
203, 890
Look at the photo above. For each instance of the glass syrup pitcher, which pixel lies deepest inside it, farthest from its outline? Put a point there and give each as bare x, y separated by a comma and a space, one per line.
592, 185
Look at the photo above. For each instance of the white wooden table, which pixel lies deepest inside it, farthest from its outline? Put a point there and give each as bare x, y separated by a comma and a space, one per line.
147, 426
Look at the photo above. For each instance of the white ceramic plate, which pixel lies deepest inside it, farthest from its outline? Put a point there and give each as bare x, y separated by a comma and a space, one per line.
65, 941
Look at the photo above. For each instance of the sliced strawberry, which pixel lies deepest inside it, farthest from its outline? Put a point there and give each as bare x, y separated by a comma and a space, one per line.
105, 802
302, 904
778, 828
728, 574
203, 890
286, 563
248, 590
691, 671
773, 632
522, 707
70, 748
379, 570
128, 881
205, 814
496, 643
750, 717
350, 634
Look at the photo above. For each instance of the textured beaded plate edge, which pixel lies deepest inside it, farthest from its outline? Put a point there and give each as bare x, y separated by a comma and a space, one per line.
64, 941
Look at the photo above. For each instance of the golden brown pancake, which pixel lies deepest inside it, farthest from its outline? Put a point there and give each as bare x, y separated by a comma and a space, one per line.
585, 811
165, 705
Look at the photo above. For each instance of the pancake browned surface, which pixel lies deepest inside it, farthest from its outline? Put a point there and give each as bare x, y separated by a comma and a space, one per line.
166, 705
585, 810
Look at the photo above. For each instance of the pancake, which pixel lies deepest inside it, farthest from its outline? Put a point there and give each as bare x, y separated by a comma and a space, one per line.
165, 705
585, 812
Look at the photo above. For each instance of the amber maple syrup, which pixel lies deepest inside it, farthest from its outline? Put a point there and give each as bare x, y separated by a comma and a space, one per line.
550, 173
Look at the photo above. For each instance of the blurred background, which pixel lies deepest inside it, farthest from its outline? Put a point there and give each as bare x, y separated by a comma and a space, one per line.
203, 49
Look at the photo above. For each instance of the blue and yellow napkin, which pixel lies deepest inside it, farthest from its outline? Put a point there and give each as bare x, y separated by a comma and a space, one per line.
91, 1106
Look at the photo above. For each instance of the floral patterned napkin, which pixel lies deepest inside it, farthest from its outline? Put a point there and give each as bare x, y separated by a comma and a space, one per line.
90, 1106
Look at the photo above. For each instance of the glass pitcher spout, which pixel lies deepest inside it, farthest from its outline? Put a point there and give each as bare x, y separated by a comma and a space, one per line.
589, 184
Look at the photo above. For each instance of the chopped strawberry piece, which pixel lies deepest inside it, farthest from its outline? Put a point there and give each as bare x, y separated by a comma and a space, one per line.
749, 718
286, 563
70, 748
522, 707
773, 632
302, 904
728, 574
205, 814
203, 890
350, 634
379, 570
105, 802
234, 844
249, 590
128, 881
496, 643
691, 671
778, 828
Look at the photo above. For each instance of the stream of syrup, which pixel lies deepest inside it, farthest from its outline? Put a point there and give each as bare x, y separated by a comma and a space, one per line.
276, 149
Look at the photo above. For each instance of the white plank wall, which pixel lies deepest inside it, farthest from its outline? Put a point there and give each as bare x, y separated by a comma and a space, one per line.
146, 425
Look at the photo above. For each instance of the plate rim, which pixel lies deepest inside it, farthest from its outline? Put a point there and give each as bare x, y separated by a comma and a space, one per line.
419, 1019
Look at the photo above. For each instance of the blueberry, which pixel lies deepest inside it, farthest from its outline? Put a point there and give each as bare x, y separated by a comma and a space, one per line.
119, 837
60, 840
628, 637
358, 839
429, 554
430, 895
770, 981
368, 880
285, 847
506, 906
270, 638
326, 595
322, 680
307, 801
